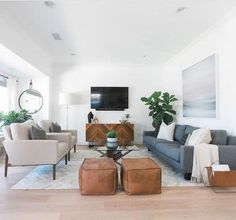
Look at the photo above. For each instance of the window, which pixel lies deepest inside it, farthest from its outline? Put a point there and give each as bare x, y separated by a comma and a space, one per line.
3, 94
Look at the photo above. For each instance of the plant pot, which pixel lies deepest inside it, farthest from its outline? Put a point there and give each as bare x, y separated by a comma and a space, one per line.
112, 143
112, 140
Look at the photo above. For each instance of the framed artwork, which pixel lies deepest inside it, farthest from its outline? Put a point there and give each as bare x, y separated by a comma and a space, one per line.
199, 89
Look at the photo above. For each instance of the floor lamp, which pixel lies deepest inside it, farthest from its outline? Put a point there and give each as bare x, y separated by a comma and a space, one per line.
65, 99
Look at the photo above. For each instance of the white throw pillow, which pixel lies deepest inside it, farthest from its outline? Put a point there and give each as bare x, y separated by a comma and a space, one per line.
20, 131
166, 132
200, 136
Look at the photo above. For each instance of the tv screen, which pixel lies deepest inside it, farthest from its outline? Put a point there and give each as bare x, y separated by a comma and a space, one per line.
109, 98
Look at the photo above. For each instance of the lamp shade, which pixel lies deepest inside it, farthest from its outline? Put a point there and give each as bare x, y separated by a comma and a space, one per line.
65, 98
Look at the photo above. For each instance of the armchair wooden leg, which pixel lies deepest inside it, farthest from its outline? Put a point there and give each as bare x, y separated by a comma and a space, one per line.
69, 155
54, 171
6, 165
75, 148
66, 159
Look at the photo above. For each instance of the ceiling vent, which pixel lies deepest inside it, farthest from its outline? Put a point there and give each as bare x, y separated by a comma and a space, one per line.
56, 36
49, 4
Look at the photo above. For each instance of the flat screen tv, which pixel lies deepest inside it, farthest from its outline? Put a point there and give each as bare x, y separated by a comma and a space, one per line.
109, 98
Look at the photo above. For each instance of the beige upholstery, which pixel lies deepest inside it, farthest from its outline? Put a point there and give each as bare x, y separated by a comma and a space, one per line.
7, 132
20, 131
34, 152
45, 125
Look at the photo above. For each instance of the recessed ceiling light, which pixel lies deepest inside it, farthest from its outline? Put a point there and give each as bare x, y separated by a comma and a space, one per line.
56, 36
49, 4
181, 10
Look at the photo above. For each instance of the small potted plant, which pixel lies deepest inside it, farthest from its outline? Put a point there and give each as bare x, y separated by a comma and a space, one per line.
112, 138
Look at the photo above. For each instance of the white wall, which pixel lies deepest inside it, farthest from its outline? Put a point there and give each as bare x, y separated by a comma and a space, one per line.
220, 40
16, 39
141, 80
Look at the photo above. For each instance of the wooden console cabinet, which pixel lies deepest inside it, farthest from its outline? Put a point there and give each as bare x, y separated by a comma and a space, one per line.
97, 132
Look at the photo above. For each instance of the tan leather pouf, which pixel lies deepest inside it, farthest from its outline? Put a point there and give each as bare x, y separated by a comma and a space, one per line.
98, 177
140, 176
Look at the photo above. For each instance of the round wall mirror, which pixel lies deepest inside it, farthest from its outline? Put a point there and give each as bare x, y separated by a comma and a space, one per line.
31, 100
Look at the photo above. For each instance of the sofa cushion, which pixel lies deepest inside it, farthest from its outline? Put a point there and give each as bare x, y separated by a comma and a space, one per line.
149, 140
171, 150
179, 132
219, 137
190, 129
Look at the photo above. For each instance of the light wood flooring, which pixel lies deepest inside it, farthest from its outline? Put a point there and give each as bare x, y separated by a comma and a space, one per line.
174, 203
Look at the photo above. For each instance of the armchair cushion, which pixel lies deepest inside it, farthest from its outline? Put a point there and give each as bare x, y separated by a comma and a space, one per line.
37, 133
20, 131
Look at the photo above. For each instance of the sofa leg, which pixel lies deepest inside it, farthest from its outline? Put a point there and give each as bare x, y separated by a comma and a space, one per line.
75, 148
66, 159
69, 155
6, 165
54, 171
187, 176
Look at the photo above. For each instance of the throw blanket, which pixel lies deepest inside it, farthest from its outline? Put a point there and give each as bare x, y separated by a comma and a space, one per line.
204, 155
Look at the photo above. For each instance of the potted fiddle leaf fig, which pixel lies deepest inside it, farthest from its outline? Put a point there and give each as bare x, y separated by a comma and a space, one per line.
161, 107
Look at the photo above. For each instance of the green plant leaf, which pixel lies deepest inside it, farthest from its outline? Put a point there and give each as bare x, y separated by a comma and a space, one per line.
144, 99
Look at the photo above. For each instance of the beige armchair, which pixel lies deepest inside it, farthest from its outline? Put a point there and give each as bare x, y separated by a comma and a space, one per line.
20, 151
45, 125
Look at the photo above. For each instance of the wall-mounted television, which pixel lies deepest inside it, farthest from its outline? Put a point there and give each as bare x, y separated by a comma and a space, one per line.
109, 98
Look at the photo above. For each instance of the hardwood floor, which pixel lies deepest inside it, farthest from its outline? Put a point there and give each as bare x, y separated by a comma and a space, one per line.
173, 203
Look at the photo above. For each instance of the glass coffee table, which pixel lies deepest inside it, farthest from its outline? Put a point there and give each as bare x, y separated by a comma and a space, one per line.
115, 153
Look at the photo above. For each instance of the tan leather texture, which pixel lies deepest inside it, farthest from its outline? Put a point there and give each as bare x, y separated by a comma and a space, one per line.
98, 177
140, 176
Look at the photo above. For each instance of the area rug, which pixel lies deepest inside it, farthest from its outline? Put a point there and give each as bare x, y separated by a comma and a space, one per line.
67, 175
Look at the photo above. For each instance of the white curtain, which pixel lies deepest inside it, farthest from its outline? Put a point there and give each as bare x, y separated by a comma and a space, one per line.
12, 93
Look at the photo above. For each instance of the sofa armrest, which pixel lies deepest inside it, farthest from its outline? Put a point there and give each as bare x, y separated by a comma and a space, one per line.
32, 152
186, 158
227, 155
61, 137
72, 132
150, 133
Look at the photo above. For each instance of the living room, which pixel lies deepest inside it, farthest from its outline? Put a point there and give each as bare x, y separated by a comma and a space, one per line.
67, 48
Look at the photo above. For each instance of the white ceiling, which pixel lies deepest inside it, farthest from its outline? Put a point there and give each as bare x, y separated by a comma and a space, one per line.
115, 31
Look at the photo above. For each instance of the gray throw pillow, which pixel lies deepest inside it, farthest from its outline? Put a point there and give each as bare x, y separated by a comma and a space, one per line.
37, 133
55, 128
183, 139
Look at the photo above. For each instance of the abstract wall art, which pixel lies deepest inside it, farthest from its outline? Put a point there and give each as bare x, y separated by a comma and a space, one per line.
199, 89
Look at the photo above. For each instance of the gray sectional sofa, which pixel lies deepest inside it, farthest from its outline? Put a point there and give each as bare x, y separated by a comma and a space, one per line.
181, 157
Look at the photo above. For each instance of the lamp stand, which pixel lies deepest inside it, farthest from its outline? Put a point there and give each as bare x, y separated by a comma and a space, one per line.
67, 109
